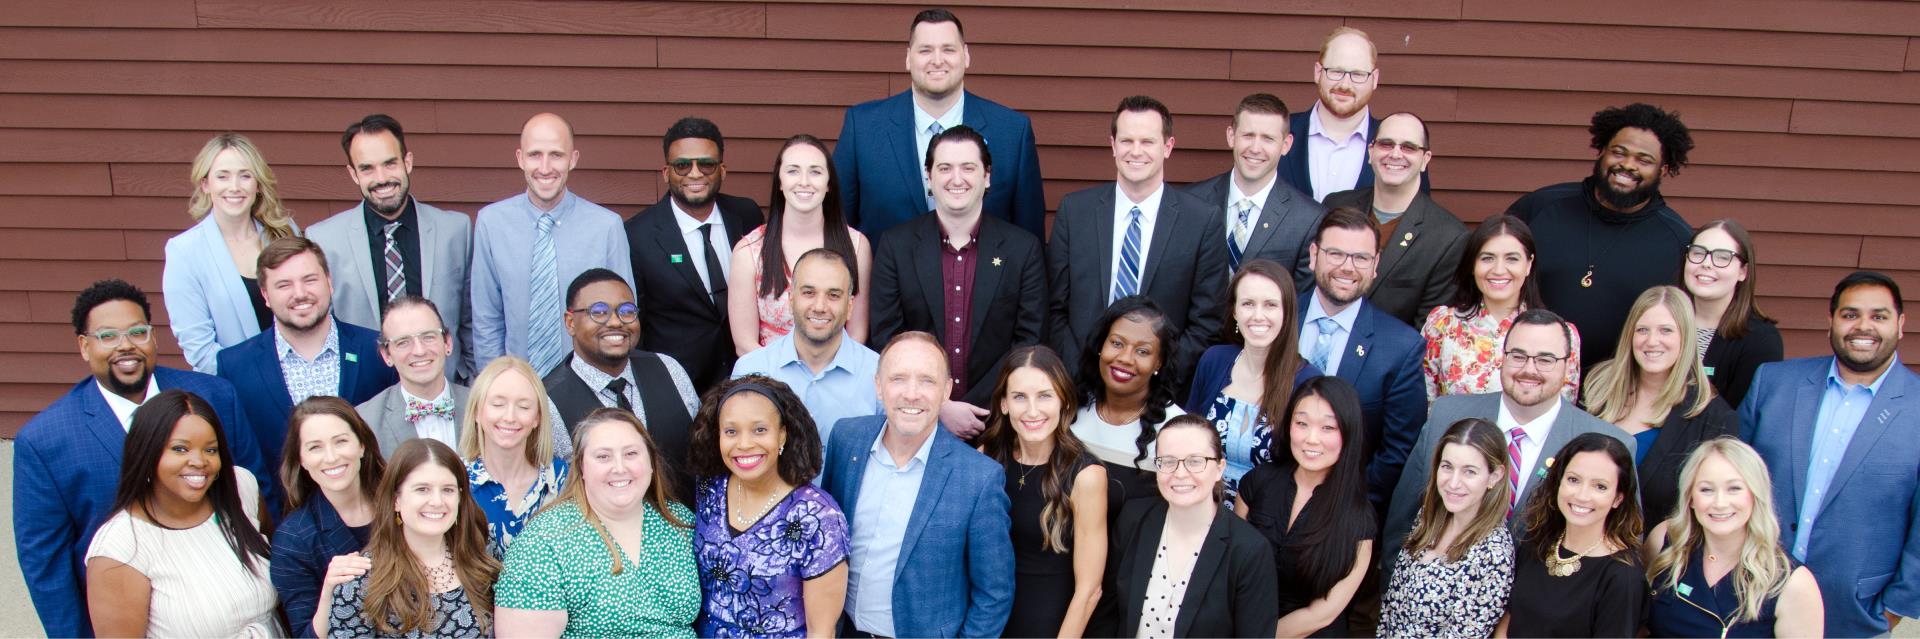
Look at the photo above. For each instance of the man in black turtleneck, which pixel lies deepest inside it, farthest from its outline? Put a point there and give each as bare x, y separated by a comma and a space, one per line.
1604, 240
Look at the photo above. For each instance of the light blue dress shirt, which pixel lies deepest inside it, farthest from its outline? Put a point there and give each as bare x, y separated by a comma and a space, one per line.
1310, 334
880, 516
844, 389
1841, 409
923, 137
585, 236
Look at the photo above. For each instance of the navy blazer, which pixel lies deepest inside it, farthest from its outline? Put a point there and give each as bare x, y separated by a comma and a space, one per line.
303, 546
253, 366
955, 573
1865, 546
1282, 232
66, 471
879, 170
1382, 361
1293, 165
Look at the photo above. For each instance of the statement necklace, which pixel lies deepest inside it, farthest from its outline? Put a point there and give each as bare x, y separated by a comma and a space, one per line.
1558, 566
743, 523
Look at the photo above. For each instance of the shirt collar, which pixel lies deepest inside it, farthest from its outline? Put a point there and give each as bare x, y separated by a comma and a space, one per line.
689, 225
446, 392
878, 451
559, 211
333, 341
1149, 207
1259, 197
378, 225
122, 408
973, 235
1537, 429
1315, 311
1313, 123
953, 117
595, 378
1833, 376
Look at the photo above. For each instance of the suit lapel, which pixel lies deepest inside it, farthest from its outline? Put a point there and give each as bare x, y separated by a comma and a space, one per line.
666, 232
933, 481
1213, 552
1269, 218
430, 230
1806, 411
1563, 432
101, 421
269, 357
1358, 344
1873, 425
1139, 569
986, 277
361, 261
349, 366
1408, 233
1366, 167
928, 266
900, 139
1103, 220
1164, 220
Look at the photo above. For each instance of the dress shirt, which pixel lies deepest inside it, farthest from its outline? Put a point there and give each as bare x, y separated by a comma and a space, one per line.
690, 233
1841, 408
437, 427
597, 380
844, 389
1536, 442
1310, 334
887, 495
1259, 203
957, 267
1334, 165
122, 408
309, 377
1149, 211
585, 236
922, 138
407, 237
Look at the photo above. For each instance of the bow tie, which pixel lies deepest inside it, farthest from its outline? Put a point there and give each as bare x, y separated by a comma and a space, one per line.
417, 409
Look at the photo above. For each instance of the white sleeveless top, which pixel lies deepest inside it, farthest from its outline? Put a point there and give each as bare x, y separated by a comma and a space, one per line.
200, 589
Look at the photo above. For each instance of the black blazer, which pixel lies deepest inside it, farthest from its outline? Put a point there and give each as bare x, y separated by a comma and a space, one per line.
1233, 591
1418, 263
677, 316
1186, 266
1009, 306
1283, 231
1660, 468
1731, 363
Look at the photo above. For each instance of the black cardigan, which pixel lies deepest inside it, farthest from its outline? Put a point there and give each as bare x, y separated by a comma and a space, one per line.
1232, 592
1732, 362
1660, 469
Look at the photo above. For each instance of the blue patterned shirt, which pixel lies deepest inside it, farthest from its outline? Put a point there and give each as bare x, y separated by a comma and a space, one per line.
1841, 409
504, 521
308, 378
755, 580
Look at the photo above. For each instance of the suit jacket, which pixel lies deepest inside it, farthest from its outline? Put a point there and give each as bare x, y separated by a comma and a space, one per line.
879, 170
1009, 305
66, 471
1186, 264
955, 573
1382, 360
1233, 591
1678, 436
386, 414
304, 545
1418, 263
677, 314
253, 367
446, 247
1293, 165
1283, 231
207, 304
1865, 546
1405, 506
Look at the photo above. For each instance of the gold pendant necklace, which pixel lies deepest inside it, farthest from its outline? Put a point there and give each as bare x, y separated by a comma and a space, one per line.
1558, 566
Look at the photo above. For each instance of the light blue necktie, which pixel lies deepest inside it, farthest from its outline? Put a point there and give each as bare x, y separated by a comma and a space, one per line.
1237, 236
933, 131
544, 313
1323, 345
1128, 280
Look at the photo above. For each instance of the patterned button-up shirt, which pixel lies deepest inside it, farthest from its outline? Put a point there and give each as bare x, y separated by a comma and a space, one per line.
310, 377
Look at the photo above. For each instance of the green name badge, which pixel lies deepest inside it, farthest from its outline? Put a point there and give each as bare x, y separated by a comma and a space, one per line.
1684, 589
1709, 370
677, 258
352, 357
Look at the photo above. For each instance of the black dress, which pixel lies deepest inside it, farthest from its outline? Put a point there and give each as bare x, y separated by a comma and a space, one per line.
1042, 579
261, 313
1699, 610
1269, 491
1606, 597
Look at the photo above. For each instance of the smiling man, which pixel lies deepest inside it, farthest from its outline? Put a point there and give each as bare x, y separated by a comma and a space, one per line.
1604, 240
1265, 217
1420, 242
830, 371
414, 341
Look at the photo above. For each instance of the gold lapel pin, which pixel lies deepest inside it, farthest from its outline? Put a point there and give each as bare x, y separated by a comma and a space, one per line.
996, 261
1405, 240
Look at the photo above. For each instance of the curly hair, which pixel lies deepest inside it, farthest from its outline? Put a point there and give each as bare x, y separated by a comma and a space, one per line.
102, 292
799, 461
1160, 386
1675, 141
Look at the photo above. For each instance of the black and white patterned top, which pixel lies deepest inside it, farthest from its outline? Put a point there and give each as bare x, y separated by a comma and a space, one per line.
1432, 598
1703, 336
452, 613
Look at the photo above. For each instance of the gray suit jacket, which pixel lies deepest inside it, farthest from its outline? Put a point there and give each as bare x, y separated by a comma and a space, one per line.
446, 247
1419, 261
386, 414
1572, 422
1283, 231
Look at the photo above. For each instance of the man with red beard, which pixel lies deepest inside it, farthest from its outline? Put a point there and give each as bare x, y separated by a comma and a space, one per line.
1604, 240
1330, 154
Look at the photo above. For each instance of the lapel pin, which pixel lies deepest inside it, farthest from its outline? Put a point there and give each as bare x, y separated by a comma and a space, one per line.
1360, 349
352, 357
1405, 240
996, 261
1263, 225
676, 258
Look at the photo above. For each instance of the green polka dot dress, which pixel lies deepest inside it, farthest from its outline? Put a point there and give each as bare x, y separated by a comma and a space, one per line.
559, 563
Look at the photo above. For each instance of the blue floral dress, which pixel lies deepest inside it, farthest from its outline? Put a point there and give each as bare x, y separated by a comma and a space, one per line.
754, 580
503, 521
1244, 435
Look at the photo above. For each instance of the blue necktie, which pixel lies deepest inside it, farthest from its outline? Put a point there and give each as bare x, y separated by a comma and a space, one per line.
1237, 236
1323, 345
545, 312
1128, 280
933, 130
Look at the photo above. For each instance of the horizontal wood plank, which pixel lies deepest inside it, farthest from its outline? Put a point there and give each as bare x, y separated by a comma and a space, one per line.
492, 16
1091, 26
55, 179
1580, 41
1817, 16
100, 13
224, 45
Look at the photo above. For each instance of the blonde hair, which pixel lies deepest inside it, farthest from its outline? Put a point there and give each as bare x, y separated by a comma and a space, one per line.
1611, 385
1373, 52
275, 220
575, 491
1763, 569
539, 444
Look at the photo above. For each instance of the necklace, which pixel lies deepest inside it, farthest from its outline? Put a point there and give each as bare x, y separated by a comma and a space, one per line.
1586, 281
441, 577
744, 522
1024, 473
1564, 566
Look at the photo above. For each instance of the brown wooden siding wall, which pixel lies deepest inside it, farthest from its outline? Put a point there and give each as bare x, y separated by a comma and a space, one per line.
1806, 112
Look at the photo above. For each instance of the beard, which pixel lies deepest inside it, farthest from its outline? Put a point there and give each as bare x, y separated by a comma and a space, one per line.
681, 198
1623, 200
1861, 364
387, 210
136, 388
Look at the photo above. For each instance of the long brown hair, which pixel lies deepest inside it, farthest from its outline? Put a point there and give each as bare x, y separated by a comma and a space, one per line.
1283, 357
1484, 438
836, 235
300, 485
1001, 440
1733, 323
575, 492
1545, 523
397, 586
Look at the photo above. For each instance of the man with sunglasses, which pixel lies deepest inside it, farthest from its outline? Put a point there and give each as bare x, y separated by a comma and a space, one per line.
681, 254
1420, 242
66, 460
606, 371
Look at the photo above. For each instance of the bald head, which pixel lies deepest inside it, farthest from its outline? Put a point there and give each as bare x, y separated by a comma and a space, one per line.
546, 156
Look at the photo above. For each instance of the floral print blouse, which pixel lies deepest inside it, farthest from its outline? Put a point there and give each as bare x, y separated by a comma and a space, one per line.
504, 521
1463, 354
755, 580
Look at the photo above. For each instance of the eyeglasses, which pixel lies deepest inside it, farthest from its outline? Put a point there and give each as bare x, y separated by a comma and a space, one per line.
1387, 145
600, 312
1338, 257
1722, 258
1519, 360
428, 338
1335, 75
1194, 463
139, 334
683, 166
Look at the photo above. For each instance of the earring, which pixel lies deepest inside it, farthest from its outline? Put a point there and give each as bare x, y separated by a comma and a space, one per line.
783, 450
396, 517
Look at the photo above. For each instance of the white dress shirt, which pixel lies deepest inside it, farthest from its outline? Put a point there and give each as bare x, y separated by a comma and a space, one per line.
1259, 203
690, 232
123, 409
1334, 165
436, 427
1149, 211
1536, 442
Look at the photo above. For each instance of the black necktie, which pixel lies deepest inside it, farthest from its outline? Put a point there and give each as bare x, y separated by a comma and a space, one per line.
619, 389
716, 280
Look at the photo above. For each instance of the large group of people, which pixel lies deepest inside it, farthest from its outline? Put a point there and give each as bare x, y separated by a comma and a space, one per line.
1297, 399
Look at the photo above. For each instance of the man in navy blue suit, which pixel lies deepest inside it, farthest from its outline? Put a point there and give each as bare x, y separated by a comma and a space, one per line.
878, 156
306, 353
66, 460
1329, 153
1837, 434
1345, 334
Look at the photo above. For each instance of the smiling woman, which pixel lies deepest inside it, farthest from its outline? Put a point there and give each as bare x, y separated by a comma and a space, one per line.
510, 459
213, 299
1578, 574
330, 468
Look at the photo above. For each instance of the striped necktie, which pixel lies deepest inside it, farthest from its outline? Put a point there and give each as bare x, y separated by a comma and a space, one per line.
396, 266
1128, 280
544, 312
1242, 227
1514, 437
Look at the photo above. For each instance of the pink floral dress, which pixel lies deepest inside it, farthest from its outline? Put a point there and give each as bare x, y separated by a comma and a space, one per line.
1463, 354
